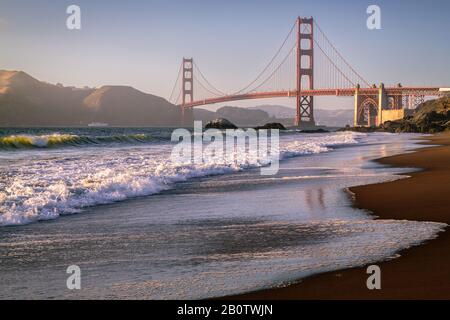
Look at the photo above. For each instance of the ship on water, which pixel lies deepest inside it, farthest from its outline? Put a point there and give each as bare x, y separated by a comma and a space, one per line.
98, 125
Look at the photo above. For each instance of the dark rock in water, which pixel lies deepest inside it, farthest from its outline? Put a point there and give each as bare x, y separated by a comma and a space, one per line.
273, 125
346, 128
360, 129
220, 124
391, 126
314, 131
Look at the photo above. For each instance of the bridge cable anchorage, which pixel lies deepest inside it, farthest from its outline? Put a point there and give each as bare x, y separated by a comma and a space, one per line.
176, 84
269, 64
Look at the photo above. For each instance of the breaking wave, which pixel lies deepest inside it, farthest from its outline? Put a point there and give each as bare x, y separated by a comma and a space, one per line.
61, 140
47, 188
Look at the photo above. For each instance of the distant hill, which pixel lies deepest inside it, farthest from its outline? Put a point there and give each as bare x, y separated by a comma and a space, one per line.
26, 101
204, 115
254, 116
325, 117
242, 117
126, 106
276, 111
334, 118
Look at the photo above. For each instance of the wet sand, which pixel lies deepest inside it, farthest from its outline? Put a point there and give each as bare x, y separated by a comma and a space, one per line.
421, 272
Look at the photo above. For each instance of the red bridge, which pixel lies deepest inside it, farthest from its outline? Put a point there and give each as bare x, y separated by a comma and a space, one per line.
306, 65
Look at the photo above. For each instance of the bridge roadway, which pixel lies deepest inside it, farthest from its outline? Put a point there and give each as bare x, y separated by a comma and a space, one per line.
345, 92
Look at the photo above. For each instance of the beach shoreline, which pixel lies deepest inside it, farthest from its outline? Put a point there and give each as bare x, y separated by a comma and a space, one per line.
421, 272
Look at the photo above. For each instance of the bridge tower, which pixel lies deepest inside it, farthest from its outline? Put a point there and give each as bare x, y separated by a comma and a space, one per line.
305, 69
187, 85
187, 90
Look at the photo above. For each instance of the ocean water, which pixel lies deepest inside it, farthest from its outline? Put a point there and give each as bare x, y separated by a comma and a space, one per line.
47, 174
141, 226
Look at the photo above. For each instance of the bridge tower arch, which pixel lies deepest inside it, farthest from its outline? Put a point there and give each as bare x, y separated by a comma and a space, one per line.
366, 111
305, 53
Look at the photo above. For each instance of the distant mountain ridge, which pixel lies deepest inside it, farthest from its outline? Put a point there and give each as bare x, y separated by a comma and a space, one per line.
260, 115
26, 101
327, 117
241, 117
276, 111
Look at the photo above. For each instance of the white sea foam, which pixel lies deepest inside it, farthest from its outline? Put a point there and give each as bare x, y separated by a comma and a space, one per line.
47, 188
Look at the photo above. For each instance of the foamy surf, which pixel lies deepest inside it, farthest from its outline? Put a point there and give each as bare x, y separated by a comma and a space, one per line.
46, 189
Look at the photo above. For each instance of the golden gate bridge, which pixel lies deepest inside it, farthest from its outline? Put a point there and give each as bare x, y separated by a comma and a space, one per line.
306, 65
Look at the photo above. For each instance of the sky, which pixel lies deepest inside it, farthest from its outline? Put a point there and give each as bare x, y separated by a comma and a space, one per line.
141, 43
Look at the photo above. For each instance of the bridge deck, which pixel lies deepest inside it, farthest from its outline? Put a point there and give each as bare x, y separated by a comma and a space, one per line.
345, 92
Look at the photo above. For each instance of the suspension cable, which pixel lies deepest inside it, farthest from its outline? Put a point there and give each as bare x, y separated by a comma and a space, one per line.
278, 67
340, 56
270, 62
207, 82
336, 67
204, 87
176, 82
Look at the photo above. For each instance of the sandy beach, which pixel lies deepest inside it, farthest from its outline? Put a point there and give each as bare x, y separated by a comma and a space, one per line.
421, 272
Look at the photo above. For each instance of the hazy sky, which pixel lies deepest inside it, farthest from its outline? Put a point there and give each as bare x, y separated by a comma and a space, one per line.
141, 43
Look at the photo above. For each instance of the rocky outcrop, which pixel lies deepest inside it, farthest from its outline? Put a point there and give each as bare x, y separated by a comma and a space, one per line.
272, 125
220, 123
360, 129
314, 131
430, 117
